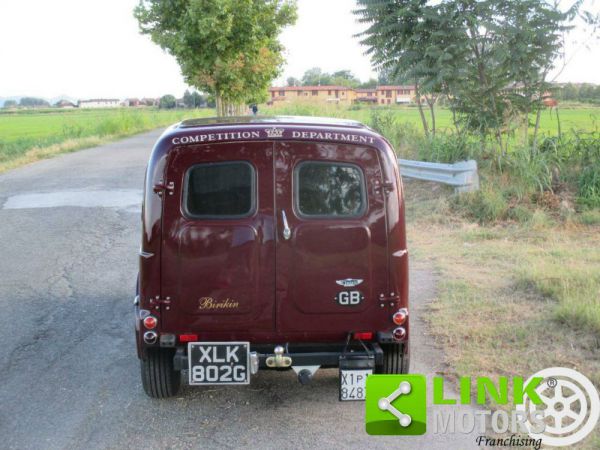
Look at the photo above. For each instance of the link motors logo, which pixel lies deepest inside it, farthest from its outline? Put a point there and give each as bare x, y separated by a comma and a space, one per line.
570, 403
556, 407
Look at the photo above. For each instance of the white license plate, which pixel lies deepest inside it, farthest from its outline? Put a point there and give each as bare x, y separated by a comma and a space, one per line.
219, 363
353, 384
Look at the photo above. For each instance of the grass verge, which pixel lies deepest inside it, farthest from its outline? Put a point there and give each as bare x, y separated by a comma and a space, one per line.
26, 137
512, 298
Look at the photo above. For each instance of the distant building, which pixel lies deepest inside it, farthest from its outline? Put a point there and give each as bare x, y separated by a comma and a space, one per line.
132, 102
99, 103
366, 95
392, 95
149, 101
381, 95
310, 94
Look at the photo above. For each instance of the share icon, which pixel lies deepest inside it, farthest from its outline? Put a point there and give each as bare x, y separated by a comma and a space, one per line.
385, 403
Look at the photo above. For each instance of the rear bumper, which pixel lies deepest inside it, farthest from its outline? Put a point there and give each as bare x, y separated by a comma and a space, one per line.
323, 355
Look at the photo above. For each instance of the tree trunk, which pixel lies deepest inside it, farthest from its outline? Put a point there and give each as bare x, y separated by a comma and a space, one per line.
537, 127
483, 80
220, 106
421, 113
431, 103
228, 109
453, 109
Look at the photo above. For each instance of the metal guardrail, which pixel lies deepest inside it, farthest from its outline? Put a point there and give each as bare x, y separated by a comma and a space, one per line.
462, 175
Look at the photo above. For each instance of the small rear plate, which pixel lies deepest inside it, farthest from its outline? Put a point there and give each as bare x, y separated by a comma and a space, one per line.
353, 384
219, 363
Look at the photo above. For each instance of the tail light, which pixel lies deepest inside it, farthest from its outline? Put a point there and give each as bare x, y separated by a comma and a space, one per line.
400, 316
399, 333
363, 335
188, 337
150, 322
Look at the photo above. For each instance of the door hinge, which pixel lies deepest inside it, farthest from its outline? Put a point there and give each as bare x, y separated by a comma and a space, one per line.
159, 188
156, 302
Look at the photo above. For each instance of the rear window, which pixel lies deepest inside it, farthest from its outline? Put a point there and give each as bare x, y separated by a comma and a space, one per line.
220, 190
326, 189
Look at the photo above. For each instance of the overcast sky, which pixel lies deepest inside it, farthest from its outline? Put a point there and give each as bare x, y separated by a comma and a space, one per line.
85, 48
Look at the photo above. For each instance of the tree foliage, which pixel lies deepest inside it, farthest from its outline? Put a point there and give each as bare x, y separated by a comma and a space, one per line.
369, 84
33, 102
574, 92
489, 58
228, 48
188, 99
167, 102
293, 81
198, 100
316, 77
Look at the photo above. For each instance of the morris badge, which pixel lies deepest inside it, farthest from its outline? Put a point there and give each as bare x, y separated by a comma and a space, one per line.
349, 282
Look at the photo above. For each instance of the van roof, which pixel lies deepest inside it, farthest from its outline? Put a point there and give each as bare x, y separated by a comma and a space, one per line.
258, 128
250, 128
275, 120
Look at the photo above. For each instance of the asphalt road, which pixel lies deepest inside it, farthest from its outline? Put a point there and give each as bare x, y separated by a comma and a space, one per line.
69, 376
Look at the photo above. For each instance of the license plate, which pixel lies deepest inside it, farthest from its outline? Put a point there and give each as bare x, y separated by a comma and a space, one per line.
353, 384
219, 363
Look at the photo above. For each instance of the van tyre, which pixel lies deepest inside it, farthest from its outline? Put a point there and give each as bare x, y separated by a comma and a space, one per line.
395, 359
159, 378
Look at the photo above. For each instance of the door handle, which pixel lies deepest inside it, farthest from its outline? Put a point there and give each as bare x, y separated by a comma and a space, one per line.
287, 233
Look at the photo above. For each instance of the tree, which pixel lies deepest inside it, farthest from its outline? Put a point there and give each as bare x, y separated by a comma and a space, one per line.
228, 48
198, 100
10, 104
490, 57
344, 78
370, 84
386, 77
404, 43
188, 99
167, 102
315, 77
33, 102
292, 81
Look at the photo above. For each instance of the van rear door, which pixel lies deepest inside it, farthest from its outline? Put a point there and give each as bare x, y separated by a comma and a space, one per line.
331, 238
218, 249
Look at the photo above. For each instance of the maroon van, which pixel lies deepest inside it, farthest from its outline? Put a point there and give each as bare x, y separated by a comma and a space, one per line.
271, 243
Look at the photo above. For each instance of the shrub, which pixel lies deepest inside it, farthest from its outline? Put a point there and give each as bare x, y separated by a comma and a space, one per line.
448, 148
382, 121
520, 214
590, 217
532, 169
485, 206
404, 137
539, 220
589, 186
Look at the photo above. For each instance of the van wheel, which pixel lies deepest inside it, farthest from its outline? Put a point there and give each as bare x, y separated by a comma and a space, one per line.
395, 359
159, 378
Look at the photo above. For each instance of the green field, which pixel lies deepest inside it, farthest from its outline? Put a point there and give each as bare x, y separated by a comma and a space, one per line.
27, 136
572, 117
55, 124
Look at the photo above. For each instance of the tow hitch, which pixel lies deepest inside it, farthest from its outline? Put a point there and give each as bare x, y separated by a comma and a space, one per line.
278, 360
